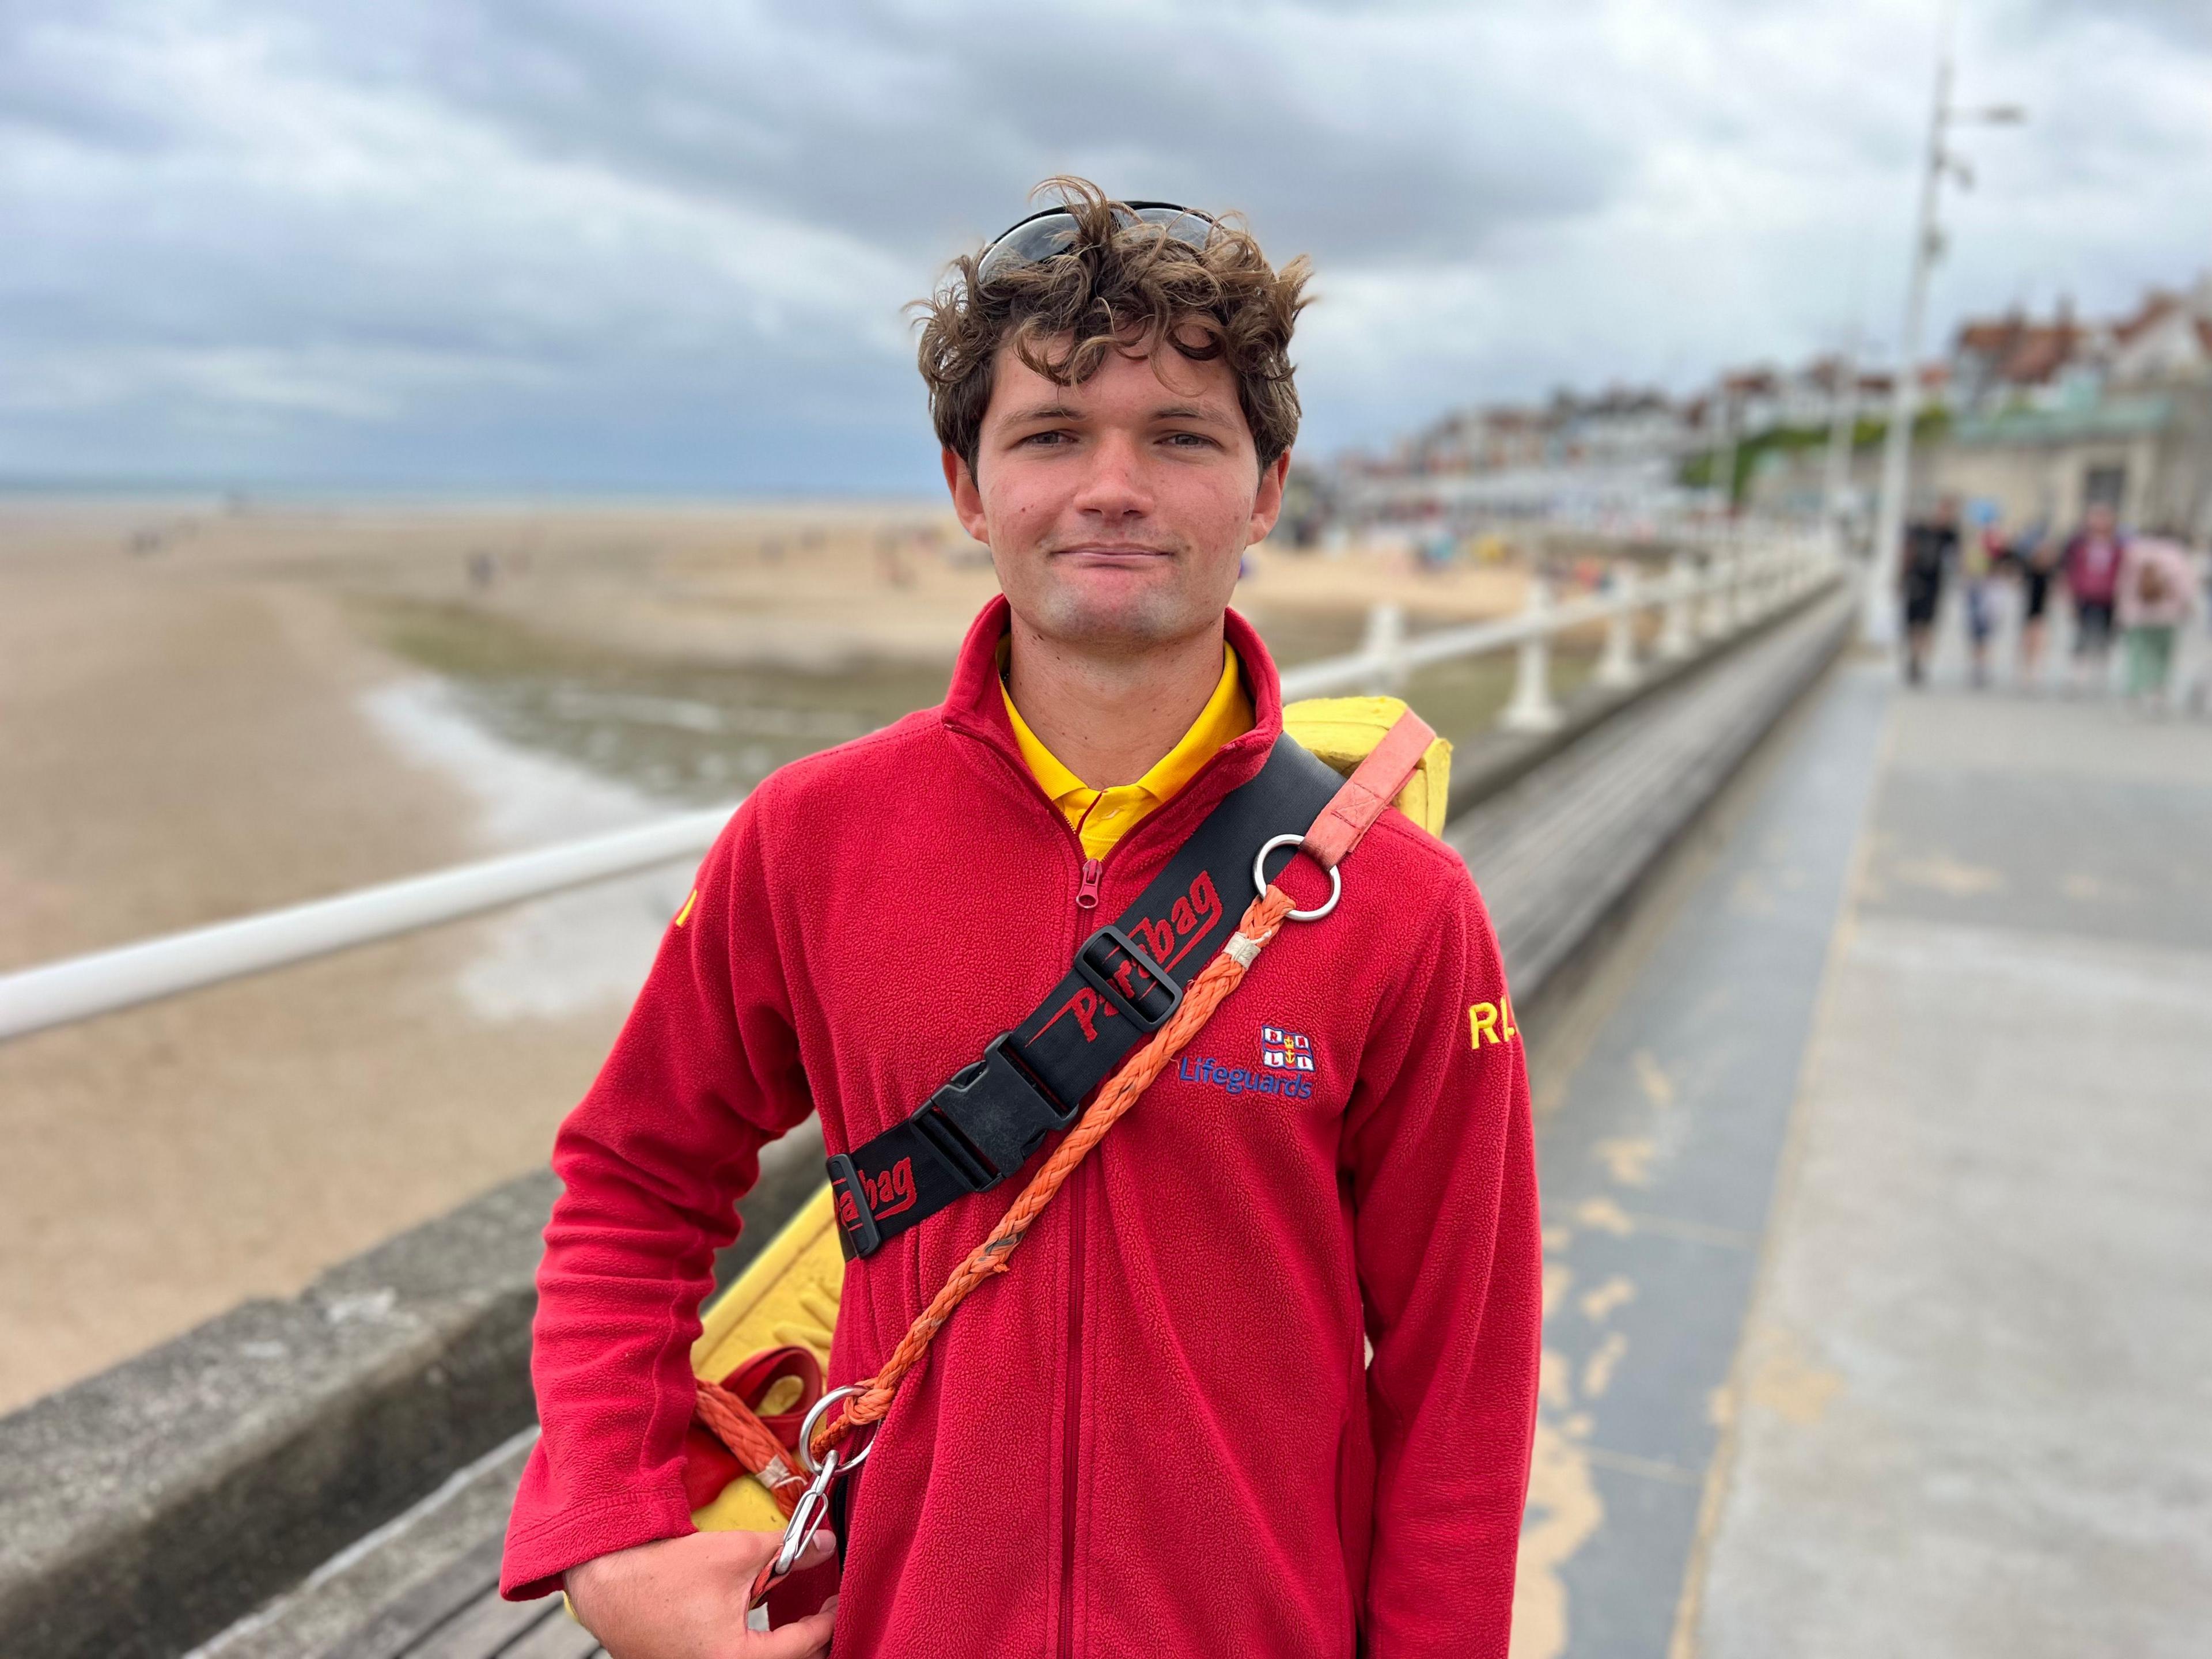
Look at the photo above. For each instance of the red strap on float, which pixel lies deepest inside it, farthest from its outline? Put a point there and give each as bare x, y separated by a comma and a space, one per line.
1373, 784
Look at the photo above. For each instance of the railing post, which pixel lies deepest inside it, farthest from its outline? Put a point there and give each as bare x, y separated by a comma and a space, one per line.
1715, 621
1532, 709
1386, 635
1617, 667
1676, 638
1757, 581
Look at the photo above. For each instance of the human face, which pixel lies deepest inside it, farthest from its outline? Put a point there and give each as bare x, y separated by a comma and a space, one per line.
1117, 511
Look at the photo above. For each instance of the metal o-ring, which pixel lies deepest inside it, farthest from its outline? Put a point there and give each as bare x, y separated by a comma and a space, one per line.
1260, 879
806, 1430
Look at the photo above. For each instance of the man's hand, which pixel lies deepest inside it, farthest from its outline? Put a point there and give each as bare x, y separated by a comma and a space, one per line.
684, 1598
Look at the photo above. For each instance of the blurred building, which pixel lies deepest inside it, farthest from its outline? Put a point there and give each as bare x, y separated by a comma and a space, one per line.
2037, 417
2051, 416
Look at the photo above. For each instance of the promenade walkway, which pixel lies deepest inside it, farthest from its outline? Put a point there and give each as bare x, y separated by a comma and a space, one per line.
1987, 1281
1877, 1198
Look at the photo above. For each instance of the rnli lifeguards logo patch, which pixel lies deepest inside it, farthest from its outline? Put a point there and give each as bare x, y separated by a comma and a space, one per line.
1285, 1051
1244, 1080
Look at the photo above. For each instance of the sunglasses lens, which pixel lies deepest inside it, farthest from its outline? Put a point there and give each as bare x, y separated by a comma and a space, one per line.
1039, 239
1181, 223
1028, 242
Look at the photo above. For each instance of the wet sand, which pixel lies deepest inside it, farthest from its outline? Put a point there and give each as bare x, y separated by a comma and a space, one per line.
204, 714
179, 749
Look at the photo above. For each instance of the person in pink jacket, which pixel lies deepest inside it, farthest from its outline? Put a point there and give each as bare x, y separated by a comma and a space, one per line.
1262, 1377
2156, 597
2091, 569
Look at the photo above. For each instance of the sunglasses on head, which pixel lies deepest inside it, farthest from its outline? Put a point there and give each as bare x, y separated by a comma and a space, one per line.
1053, 230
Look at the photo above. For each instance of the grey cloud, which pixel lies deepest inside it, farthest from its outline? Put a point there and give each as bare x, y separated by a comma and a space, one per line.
2185, 22
1363, 136
666, 242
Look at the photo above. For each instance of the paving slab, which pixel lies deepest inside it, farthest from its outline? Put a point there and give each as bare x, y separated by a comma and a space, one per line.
1977, 1379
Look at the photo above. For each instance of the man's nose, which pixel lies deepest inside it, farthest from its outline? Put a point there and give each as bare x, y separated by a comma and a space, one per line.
1113, 486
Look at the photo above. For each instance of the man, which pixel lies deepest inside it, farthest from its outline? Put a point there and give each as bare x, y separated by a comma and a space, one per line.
1931, 546
1159, 1431
2092, 566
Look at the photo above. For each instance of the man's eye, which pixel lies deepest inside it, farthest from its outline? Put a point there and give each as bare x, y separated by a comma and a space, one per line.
1190, 440
1048, 440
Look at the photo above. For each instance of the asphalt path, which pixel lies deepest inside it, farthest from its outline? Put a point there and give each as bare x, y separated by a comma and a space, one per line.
1874, 1190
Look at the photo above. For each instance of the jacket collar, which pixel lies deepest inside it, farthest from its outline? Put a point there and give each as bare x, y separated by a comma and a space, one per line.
973, 706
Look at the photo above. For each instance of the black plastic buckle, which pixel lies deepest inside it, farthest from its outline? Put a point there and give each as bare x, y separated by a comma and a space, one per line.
848, 1200
985, 1122
1138, 987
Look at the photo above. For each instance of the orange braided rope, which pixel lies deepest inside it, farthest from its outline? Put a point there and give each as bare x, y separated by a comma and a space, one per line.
1259, 924
750, 1441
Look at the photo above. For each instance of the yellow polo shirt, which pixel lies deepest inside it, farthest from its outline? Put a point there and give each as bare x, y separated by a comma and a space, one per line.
1101, 817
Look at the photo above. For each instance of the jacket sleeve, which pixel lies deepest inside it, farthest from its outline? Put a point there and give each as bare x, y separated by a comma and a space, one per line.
1447, 1236
652, 1161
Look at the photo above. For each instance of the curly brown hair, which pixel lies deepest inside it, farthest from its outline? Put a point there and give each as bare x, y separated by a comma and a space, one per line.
1120, 285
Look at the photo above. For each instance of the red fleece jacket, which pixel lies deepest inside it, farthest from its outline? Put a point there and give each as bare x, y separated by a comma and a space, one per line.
1159, 1433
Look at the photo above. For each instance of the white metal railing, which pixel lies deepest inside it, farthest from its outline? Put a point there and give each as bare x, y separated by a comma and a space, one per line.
108, 979
1701, 599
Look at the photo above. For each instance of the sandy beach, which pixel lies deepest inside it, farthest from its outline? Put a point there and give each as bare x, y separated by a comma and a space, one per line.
206, 711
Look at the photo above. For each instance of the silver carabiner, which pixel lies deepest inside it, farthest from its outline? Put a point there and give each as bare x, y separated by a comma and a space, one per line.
813, 1506
805, 1516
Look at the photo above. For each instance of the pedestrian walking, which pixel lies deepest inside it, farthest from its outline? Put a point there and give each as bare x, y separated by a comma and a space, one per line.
2034, 555
2155, 597
2197, 664
1931, 547
2093, 582
1981, 553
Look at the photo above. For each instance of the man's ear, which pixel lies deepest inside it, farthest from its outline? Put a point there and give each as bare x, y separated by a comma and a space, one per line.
1267, 505
967, 499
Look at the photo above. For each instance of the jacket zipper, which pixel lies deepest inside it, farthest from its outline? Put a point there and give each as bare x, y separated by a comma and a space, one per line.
1071, 1442
1072, 1430
1071, 1445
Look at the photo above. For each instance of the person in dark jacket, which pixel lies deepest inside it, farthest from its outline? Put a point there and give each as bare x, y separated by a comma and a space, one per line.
1931, 548
2035, 553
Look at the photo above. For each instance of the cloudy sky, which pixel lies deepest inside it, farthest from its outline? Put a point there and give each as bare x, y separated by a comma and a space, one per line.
582, 246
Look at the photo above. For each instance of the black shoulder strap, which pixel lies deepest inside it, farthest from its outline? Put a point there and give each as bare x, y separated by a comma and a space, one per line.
1127, 978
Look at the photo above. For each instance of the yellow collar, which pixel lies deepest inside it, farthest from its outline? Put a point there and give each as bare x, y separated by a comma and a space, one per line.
1102, 817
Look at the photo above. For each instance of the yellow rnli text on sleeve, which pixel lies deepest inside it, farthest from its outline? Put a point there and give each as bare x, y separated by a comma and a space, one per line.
1491, 1022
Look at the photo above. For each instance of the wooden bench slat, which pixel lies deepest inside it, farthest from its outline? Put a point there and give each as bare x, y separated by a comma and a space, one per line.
558, 1637
485, 1628
403, 1621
